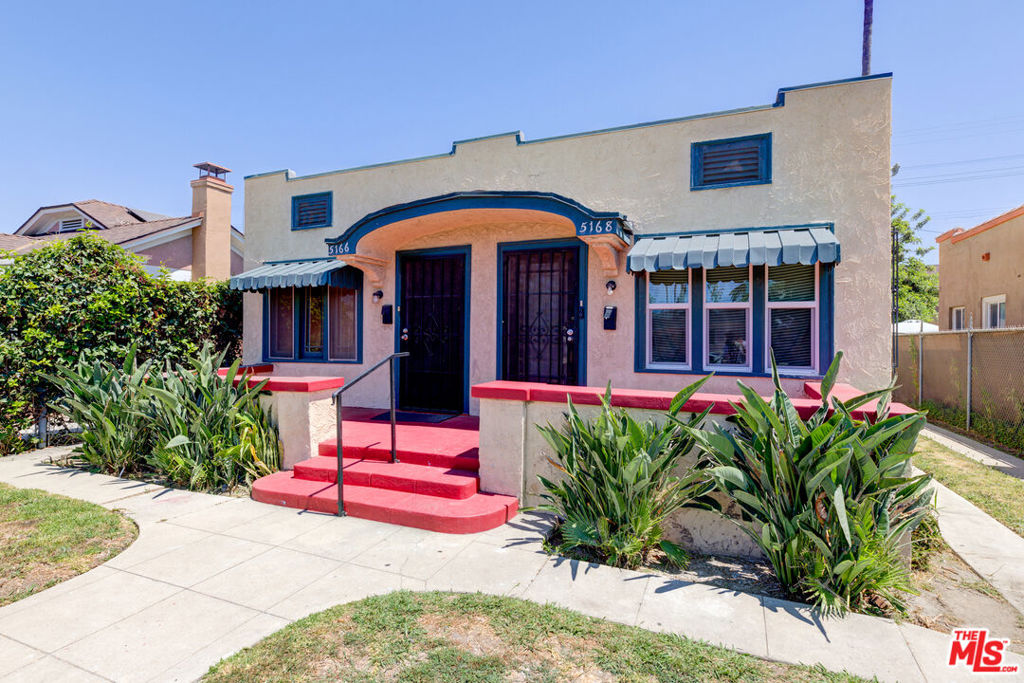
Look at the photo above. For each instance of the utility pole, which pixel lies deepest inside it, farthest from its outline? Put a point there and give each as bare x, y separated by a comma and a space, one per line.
865, 53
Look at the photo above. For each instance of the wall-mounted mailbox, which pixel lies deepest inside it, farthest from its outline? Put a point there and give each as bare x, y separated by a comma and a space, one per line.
387, 316
610, 315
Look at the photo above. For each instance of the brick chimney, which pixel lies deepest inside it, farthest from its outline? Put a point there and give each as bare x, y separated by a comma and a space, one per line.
211, 241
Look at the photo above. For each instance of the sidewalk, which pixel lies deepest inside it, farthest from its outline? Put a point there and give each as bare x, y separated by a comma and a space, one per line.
986, 455
210, 575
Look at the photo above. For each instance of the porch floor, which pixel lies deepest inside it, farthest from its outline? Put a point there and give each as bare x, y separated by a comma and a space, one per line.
434, 485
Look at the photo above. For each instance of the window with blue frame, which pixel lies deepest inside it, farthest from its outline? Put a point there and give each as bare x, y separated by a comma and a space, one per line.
731, 320
311, 211
731, 163
313, 324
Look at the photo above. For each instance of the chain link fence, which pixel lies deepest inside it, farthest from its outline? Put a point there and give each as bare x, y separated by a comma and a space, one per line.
970, 379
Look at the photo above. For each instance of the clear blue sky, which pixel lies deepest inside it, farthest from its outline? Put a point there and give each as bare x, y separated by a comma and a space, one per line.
116, 101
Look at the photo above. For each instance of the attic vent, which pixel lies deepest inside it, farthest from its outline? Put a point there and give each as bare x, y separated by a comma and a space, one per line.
70, 224
738, 161
311, 211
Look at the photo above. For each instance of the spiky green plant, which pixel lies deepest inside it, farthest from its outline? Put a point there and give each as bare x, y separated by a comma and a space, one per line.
187, 424
617, 486
828, 499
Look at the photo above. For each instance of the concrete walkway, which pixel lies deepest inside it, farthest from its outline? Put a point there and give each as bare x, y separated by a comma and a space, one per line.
210, 575
986, 455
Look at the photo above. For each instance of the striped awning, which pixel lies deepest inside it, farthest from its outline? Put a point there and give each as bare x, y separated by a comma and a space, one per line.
775, 247
308, 273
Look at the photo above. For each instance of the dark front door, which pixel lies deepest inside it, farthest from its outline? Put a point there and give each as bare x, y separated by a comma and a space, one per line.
432, 328
541, 315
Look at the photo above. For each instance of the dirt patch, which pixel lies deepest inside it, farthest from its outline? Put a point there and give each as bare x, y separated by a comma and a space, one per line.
471, 632
954, 595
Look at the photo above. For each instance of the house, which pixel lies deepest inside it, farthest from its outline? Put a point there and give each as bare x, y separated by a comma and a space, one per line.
202, 244
519, 273
980, 274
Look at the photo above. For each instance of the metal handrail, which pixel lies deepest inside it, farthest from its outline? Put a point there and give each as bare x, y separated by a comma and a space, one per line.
336, 398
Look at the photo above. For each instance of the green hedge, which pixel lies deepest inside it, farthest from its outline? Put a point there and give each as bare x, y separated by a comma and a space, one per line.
85, 295
1008, 436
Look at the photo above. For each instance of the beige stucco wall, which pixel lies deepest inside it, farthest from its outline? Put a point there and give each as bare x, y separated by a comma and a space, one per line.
964, 278
174, 255
513, 453
830, 162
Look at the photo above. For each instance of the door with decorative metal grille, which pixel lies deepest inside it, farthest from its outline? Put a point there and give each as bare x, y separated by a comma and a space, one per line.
432, 328
541, 315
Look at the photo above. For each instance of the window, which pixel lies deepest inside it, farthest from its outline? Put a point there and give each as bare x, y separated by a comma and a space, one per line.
791, 317
342, 321
732, 162
956, 318
282, 323
993, 309
311, 211
727, 317
313, 324
668, 318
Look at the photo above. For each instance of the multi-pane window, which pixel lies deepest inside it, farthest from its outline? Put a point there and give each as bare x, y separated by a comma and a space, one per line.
993, 308
956, 318
282, 323
791, 316
668, 318
727, 304
323, 322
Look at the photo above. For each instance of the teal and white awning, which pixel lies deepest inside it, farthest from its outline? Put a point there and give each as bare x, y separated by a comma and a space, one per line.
306, 273
773, 247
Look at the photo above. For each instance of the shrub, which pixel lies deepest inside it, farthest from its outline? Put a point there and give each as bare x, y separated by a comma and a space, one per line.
186, 424
617, 487
828, 498
85, 295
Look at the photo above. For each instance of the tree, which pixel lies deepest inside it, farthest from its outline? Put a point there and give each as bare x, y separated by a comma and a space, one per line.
917, 285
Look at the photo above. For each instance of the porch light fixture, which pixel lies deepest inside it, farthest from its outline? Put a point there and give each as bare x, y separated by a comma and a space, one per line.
377, 296
610, 286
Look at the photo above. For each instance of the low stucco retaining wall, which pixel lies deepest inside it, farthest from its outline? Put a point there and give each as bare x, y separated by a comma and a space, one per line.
513, 453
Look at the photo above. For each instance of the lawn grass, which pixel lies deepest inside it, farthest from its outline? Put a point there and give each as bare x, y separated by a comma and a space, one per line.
46, 539
999, 495
421, 637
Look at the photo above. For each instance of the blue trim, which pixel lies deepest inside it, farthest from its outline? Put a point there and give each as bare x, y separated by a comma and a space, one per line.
780, 101
826, 316
697, 320
298, 199
722, 231
758, 314
581, 356
351, 280
583, 218
466, 251
764, 162
780, 98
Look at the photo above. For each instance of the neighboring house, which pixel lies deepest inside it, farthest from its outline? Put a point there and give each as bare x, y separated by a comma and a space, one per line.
644, 256
203, 244
980, 274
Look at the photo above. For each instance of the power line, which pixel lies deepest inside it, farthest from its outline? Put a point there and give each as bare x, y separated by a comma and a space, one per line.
963, 161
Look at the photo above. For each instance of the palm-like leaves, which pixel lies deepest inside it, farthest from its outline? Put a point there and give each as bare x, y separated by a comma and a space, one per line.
186, 423
617, 485
828, 499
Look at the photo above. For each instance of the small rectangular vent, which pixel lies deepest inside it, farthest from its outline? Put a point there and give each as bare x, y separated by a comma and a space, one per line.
311, 211
741, 161
70, 225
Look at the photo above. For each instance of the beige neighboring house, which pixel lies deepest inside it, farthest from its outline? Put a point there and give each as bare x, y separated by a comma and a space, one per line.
981, 274
202, 244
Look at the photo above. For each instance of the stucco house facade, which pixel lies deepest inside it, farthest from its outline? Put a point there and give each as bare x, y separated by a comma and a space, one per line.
981, 274
202, 244
643, 256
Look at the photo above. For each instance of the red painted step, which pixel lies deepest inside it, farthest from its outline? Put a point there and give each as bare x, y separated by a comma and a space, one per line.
414, 455
479, 512
400, 476
453, 444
